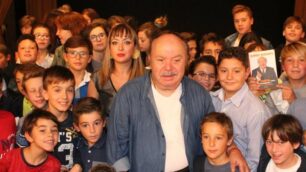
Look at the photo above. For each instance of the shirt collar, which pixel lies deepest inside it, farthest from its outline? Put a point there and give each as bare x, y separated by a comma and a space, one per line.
85, 80
236, 99
99, 144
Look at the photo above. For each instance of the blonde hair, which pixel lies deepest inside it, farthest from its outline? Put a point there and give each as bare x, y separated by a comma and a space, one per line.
296, 48
108, 64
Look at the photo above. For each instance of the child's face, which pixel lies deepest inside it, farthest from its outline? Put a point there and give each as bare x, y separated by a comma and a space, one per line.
19, 80
98, 38
143, 41
192, 46
4, 60
26, 29
232, 75
42, 37
293, 32
212, 48
33, 90
243, 22
77, 59
282, 153
205, 75
295, 67
59, 96
215, 141
44, 135
63, 35
91, 126
27, 51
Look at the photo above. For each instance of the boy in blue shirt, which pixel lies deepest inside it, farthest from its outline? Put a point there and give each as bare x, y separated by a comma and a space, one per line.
90, 147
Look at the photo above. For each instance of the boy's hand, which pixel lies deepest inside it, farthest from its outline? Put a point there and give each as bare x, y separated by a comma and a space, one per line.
236, 159
255, 87
287, 93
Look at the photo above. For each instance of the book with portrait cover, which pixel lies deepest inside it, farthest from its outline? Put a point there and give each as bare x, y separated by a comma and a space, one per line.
263, 68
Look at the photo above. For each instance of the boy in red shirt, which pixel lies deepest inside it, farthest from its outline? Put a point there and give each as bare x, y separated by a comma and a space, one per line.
41, 131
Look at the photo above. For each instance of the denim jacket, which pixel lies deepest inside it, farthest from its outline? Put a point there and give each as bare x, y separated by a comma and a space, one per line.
229, 40
135, 135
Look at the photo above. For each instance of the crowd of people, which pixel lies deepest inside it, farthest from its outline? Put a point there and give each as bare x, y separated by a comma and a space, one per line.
84, 93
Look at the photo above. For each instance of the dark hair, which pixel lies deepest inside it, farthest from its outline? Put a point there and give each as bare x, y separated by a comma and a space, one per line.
286, 126
292, 19
86, 105
203, 59
56, 74
188, 36
242, 8
27, 20
78, 41
102, 168
222, 119
149, 29
234, 53
32, 118
25, 37
4, 50
91, 13
114, 20
252, 47
211, 37
249, 38
31, 71
92, 26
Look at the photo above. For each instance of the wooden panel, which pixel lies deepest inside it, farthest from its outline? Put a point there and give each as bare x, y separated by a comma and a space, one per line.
4, 7
39, 8
300, 8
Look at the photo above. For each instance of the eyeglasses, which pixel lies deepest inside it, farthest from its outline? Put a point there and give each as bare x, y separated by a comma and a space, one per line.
97, 37
203, 75
41, 36
82, 54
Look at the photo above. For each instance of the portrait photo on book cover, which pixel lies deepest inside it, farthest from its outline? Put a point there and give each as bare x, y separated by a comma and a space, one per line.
263, 68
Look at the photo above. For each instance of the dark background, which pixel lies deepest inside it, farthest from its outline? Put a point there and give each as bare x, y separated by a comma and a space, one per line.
200, 16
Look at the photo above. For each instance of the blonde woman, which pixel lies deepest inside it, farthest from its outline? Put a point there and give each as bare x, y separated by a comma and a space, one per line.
121, 63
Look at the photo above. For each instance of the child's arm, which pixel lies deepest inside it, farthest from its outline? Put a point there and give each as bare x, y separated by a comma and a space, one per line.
237, 159
76, 168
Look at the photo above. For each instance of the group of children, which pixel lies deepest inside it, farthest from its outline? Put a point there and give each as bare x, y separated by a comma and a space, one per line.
76, 139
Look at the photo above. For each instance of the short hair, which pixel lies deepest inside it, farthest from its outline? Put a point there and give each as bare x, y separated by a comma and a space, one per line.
295, 48
286, 126
91, 13
114, 20
248, 38
188, 36
252, 47
32, 118
241, 8
102, 168
149, 29
292, 19
203, 59
234, 53
27, 20
72, 21
31, 71
4, 50
211, 37
222, 119
26, 68
92, 26
78, 41
26, 37
56, 74
86, 105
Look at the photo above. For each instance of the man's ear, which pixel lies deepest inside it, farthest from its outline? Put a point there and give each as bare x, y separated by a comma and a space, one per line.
28, 137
